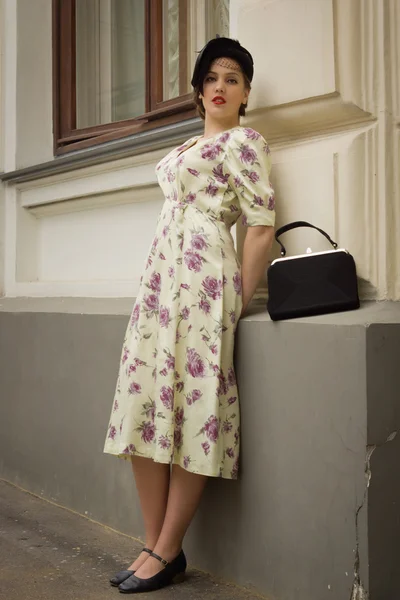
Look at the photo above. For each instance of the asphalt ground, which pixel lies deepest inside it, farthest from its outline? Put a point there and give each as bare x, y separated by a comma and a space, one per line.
51, 553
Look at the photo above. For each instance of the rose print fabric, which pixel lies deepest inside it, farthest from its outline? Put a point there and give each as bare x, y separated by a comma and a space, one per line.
176, 398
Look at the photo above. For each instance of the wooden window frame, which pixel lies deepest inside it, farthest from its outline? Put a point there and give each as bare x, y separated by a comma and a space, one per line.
159, 112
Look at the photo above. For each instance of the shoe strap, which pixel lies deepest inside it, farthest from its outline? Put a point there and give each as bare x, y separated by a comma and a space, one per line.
162, 560
147, 550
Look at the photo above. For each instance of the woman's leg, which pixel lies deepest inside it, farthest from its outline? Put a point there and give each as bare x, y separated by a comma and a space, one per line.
152, 483
185, 491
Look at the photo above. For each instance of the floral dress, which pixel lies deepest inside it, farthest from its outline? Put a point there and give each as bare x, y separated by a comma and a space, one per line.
176, 398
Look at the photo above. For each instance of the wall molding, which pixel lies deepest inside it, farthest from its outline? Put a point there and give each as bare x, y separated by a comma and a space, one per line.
92, 201
137, 145
134, 174
305, 119
72, 289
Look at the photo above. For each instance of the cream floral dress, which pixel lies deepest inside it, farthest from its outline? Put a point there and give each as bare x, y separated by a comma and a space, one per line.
176, 398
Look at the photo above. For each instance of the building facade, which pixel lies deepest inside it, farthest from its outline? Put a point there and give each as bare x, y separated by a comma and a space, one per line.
93, 93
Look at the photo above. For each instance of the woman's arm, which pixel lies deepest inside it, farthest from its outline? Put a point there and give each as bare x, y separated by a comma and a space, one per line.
256, 249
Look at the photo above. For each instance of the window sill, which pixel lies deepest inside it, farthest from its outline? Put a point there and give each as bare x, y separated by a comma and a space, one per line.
139, 143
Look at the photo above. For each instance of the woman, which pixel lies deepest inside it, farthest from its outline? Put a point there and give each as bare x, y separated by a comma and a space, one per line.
176, 401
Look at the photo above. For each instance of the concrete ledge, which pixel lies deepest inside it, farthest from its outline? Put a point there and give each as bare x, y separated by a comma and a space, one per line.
82, 306
370, 312
319, 406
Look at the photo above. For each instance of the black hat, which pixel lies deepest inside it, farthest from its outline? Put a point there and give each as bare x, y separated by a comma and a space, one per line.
216, 48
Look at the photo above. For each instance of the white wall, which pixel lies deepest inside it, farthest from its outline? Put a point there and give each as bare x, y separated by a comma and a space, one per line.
326, 95
325, 99
86, 233
34, 82
8, 71
2, 211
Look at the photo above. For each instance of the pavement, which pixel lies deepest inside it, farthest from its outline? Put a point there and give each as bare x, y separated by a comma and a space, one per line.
49, 552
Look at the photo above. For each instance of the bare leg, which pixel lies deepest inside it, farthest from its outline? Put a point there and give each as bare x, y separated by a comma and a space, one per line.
152, 483
184, 497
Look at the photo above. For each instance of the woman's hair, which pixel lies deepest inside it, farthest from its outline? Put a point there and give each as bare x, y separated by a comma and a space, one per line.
199, 102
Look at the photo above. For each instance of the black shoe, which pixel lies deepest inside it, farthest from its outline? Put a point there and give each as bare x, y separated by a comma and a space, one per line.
122, 575
174, 572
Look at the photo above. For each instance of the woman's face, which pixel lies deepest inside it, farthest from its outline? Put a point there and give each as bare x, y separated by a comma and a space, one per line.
224, 90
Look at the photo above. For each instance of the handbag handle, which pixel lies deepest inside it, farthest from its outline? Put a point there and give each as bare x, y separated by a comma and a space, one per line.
294, 225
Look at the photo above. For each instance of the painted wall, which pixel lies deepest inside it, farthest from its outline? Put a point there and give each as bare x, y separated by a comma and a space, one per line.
325, 95
319, 400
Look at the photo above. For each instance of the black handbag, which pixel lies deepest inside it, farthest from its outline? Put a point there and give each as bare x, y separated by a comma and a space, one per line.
313, 283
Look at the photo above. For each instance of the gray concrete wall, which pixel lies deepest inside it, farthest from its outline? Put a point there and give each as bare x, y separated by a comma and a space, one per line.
383, 376
311, 403
2, 237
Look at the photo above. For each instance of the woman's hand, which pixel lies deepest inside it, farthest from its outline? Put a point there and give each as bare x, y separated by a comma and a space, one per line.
256, 249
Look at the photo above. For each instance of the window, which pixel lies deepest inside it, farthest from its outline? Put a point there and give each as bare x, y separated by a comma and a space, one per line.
122, 66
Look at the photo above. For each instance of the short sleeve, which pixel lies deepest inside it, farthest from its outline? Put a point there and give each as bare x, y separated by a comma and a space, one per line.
248, 163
